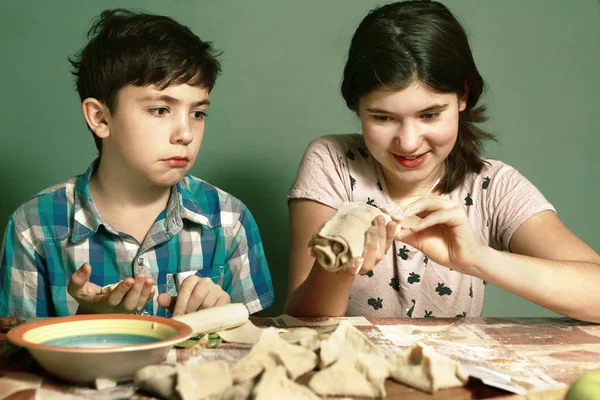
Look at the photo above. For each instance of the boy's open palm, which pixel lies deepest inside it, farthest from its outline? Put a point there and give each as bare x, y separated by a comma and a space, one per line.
195, 293
129, 296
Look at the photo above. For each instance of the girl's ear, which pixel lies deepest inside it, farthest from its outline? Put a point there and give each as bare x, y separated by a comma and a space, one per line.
97, 116
462, 102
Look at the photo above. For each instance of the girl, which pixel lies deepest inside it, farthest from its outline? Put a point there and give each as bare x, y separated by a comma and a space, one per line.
411, 79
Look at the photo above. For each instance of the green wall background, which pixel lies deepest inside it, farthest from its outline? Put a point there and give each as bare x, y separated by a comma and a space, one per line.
280, 88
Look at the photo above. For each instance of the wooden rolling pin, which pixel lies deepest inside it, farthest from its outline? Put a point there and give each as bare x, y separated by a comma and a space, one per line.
216, 318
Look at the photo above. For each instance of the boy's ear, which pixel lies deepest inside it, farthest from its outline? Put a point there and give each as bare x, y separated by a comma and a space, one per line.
97, 116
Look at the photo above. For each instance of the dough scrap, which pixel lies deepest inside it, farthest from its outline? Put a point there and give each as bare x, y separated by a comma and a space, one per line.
345, 340
296, 359
16, 381
199, 381
358, 375
241, 391
252, 364
343, 237
248, 333
274, 384
157, 379
423, 368
295, 335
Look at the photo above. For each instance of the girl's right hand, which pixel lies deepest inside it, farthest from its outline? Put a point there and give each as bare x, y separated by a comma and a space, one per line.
378, 239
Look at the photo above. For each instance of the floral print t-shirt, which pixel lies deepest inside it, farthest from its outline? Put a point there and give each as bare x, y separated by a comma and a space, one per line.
339, 168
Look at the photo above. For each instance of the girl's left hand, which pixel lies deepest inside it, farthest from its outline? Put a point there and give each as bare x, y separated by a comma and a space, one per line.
444, 234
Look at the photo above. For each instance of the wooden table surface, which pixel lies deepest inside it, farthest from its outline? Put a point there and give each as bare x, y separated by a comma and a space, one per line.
547, 353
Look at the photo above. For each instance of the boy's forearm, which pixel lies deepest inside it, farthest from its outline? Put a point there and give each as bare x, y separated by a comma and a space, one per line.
322, 294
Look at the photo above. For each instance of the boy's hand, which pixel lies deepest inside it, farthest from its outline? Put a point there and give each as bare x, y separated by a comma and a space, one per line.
195, 293
129, 296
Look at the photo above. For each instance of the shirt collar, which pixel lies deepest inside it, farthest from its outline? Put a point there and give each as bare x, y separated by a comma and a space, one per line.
87, 219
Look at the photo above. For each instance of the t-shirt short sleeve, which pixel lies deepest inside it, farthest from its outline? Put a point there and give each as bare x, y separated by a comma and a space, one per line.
512, 199
322, 175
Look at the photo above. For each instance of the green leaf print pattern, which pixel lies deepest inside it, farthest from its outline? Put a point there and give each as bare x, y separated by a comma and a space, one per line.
412, 278
371, 202
428, 314
471, 291
363, 152
443, 290
352, 183
369, 274
463, 315
379, 185
403, 253
375, 303
409, 313
426, 260
395, 283
350, 154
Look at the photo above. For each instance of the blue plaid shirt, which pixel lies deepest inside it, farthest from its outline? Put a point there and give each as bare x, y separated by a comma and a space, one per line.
203, 231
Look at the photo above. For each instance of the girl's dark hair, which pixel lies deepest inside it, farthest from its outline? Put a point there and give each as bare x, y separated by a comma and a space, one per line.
400, 43
131, 48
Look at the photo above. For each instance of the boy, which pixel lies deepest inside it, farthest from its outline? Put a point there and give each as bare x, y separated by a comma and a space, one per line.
136, 224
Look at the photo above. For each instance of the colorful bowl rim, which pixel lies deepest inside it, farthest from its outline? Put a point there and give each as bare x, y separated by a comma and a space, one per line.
15, 335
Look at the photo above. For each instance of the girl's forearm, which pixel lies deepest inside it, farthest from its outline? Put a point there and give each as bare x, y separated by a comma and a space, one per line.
322, 294
570, 288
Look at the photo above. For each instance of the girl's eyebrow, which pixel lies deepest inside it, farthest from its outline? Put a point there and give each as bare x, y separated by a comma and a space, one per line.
434, 107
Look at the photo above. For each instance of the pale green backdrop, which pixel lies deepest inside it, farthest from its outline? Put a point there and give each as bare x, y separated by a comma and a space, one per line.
282, 64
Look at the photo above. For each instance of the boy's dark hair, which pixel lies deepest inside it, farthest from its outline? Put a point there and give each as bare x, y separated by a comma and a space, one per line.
402, 42
132, 48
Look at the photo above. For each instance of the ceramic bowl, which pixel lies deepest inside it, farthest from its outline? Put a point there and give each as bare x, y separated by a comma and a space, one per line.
82, 348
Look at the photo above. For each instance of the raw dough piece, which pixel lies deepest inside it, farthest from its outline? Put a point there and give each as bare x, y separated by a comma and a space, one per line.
345, 340
423, 368
247, 333
343, 237
157, 379
295, 335
274, 384
199, 381
46, 394
17, 381
241, 391
359, 375
252, 365
104, 383
296, 359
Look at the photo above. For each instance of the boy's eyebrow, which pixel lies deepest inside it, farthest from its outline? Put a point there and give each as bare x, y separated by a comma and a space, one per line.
435, 107
172, 100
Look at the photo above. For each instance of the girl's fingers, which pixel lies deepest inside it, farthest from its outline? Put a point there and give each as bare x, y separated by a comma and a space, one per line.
429, 203
451, 217
371, 247
390, 229
382, 238
353, 266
